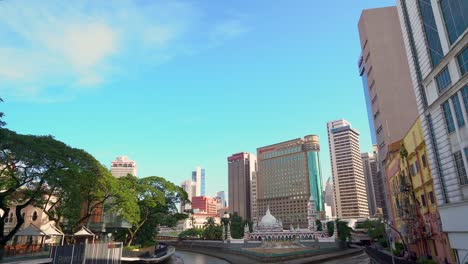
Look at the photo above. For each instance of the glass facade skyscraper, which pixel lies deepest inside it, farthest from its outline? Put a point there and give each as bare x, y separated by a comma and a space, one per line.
289, 175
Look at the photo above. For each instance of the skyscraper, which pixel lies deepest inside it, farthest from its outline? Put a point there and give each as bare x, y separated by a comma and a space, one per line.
122, 166
370, 168
222, 197
289, 173
190, 187
436, 41
329, 196
253, 197
198, 176
389, 96
241, 167
348, 177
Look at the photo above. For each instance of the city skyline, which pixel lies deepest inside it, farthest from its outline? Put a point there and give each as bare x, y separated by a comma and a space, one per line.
148, 120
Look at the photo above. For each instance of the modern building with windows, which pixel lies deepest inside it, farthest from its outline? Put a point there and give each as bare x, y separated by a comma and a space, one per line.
190, 187
413, 199
436, 40
289, 174
388, 90
198, 176
348, 176
329, 197
241, 168
222, 198
122, 166
371, 174
204, 204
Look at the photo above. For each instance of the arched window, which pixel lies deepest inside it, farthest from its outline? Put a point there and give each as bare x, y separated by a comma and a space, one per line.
34, 216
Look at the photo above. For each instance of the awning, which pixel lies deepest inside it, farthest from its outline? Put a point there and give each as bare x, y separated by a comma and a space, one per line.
51, 230
31, 230
83, 232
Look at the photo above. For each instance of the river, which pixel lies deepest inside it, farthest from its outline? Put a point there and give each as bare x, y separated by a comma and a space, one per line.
194, 258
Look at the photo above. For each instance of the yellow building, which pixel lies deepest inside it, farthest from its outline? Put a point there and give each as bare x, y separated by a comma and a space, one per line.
411, 191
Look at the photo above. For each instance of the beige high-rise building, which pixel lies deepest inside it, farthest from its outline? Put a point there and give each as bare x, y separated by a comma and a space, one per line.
390, 99
329, 197
190, 187
122, 166
348, 176
371, 172
242, 167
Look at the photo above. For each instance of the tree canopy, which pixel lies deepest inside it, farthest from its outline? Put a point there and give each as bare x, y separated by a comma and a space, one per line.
39, 170
154, 202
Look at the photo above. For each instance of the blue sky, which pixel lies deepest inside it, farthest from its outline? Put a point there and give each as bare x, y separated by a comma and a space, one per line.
176, 84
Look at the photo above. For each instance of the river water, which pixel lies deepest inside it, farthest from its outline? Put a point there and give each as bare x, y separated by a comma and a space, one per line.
186, 257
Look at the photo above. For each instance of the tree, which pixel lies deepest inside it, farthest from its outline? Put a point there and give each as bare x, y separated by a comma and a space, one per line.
156, 200
376, 231
211, 230
344, 231
33, 167
237, 226
318, 223
191, 233
330, 228
2, 123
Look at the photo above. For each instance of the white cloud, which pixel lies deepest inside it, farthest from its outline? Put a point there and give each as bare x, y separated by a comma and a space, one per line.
81, 44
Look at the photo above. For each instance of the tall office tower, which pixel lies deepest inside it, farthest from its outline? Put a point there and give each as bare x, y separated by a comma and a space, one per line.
348, 177
330, 196
389, 96
122, 166
253, 197
436, 41
241, 167
190, 187
289, 174
370, 168
198, 176
222, 197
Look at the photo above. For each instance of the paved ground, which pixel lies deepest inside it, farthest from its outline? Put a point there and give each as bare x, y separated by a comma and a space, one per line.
362, 258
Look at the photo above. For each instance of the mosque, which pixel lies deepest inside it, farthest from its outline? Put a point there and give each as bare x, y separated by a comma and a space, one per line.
271, 229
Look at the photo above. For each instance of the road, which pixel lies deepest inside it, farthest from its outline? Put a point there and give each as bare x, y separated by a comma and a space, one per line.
358, 259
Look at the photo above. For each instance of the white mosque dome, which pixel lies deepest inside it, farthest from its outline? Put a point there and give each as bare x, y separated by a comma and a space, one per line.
268, 219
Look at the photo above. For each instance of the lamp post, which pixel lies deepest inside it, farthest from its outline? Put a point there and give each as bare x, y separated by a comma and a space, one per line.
226, 219
388, 232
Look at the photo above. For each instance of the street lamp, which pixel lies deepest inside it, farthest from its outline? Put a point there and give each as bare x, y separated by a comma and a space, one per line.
226, 219
388, 232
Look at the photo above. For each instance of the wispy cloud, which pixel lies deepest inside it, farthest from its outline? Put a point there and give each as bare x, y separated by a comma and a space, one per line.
82, 44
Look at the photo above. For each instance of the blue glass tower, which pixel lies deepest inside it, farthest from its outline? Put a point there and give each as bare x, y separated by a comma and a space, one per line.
312, 147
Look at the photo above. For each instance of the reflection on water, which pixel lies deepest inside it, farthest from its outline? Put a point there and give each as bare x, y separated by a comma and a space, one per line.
194, 258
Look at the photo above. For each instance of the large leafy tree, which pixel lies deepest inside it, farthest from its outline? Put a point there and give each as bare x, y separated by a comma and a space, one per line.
237, 226
35, 167
156, 200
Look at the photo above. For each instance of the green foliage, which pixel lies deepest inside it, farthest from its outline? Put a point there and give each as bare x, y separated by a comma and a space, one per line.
211, 230
237, 226
344, 231
330, 228
153, 203
375, 230
38, 167
318, 223
191, 233
423, 260
399, 248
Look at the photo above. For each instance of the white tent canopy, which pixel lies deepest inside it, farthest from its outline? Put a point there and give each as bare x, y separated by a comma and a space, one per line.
84, 232
51, 230
31, 230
